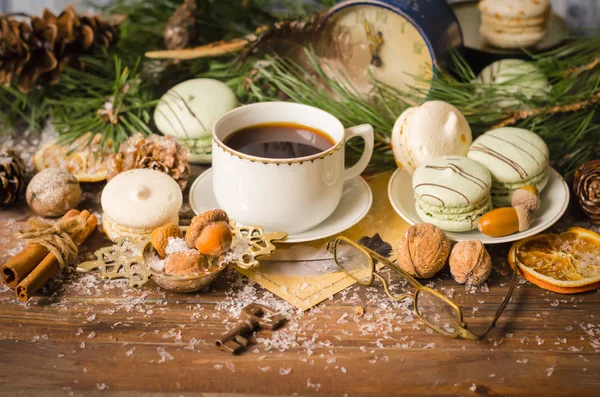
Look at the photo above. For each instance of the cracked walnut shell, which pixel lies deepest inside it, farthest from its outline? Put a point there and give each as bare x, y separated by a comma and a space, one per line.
423, 250
470, 262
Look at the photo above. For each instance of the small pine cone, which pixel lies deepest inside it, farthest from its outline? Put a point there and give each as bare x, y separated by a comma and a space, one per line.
12, 176
180, 31
586, 184
160, 153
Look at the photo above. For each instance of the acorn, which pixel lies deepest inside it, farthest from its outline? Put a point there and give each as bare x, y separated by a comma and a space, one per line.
200, 222
185, 263
160, 237
527, 196
215, 239
505, 221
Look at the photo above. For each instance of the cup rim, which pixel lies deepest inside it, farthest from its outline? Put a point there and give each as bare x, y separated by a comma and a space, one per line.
266, 160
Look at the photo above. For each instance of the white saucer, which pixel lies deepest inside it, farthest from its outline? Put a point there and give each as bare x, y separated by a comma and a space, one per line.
554, 201
354, 206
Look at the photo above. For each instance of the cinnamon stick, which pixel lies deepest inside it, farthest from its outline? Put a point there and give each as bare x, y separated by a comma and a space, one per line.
49, 266
19, 266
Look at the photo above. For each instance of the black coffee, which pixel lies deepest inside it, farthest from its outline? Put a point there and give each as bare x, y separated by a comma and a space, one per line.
279, 141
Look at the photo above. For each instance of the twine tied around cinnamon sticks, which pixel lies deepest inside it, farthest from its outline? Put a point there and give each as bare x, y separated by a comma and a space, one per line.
50, 249
56, 238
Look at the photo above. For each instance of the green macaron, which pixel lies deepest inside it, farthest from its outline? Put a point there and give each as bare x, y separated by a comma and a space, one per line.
515, 158
452, 192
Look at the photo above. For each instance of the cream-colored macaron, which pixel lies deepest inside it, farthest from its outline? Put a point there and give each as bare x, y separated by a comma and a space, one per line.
514, 23
136, 202
431, 130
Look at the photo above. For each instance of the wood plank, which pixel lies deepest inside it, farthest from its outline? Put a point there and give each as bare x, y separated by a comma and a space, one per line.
83, 336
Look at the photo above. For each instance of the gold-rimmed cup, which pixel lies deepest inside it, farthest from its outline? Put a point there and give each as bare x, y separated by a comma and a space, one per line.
291, 195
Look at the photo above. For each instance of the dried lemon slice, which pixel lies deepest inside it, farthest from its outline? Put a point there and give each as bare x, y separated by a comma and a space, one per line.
84, 158
567, 263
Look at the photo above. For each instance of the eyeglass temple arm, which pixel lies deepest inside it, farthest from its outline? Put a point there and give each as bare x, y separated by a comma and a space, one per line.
499, 312
394, 267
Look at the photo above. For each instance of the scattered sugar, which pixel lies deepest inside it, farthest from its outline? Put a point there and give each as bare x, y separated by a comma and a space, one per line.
175, 245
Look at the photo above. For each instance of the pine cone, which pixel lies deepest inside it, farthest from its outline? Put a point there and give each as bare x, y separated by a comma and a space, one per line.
12, 176
586, 184
160, 153
42, 48
180, 31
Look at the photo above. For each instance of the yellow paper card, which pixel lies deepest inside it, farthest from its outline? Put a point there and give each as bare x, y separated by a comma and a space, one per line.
304, 274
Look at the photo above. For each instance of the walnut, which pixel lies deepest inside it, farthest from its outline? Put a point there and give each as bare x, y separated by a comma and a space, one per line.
160, 237
423, 250
470, 263
52, 192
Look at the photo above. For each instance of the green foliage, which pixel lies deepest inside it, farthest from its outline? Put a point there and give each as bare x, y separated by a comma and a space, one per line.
124, 78
566, 117
85, 102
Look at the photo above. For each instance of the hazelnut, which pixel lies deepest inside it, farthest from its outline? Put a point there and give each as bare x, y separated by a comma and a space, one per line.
185, 263
200, 222
215, 239
423, 250
527, 197
470, 263
160, 237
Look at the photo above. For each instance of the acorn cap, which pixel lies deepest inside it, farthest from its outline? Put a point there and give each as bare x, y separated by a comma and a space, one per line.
525, 218
586, 184
526, 197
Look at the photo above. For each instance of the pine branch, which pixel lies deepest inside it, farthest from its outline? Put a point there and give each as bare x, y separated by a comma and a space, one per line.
108, 98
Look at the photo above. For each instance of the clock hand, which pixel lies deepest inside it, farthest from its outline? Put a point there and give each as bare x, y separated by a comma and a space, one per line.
375, 43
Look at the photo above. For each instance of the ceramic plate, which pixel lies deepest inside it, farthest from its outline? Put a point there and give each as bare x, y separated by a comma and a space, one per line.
354, 206
554, 201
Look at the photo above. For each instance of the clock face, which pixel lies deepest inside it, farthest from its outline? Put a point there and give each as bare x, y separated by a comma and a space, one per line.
363, 40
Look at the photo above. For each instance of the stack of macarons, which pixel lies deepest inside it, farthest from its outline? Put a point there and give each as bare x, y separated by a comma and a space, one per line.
452, 192
515, 158
514, 23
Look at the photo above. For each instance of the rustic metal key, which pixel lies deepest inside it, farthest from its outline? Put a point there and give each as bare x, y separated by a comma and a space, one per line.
253, 316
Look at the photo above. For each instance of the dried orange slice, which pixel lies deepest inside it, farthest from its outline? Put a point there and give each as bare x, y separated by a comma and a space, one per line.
84, 158
567, 263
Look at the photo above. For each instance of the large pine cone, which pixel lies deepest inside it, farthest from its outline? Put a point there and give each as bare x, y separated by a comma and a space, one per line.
587, 188
160, 153
41, 48
12, 176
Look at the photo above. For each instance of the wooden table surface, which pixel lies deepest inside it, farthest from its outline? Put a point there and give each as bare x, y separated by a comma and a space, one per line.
83, 336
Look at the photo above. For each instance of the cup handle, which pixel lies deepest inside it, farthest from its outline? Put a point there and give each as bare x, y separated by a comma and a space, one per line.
365, 131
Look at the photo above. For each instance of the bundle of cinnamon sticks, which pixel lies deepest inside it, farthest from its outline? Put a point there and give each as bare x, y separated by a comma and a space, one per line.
31, 268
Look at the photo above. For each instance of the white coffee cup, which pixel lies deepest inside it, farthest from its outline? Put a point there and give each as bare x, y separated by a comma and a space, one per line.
291, 195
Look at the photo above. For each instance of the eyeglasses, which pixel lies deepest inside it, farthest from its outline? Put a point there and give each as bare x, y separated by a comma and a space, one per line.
435, 309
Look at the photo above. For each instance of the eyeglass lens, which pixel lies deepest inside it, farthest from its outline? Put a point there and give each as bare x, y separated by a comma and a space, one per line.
353, 261
437, 313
